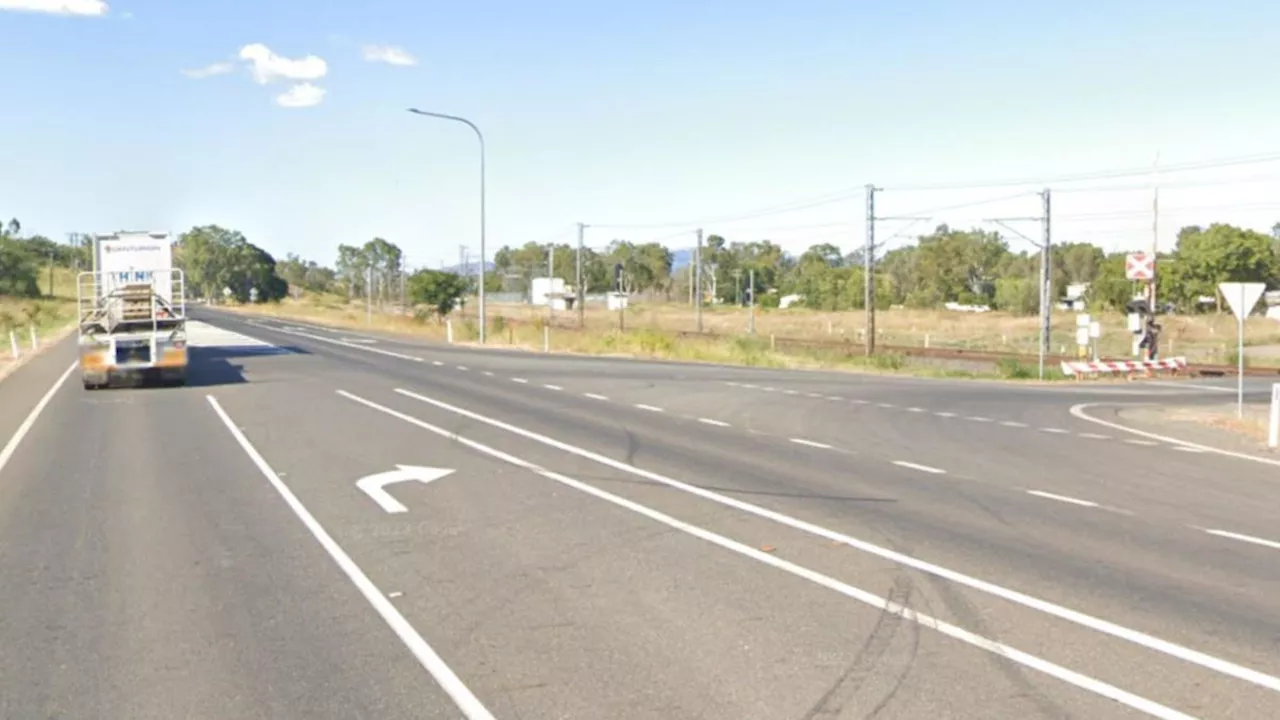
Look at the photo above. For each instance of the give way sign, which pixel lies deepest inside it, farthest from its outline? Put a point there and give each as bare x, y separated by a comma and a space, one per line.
1139, 266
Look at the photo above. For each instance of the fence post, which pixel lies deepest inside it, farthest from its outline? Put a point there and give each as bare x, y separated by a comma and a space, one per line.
546, 338
13, 343
35, 342
448, 331
1273, 437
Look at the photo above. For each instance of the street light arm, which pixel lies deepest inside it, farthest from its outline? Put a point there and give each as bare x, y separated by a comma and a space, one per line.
455, 118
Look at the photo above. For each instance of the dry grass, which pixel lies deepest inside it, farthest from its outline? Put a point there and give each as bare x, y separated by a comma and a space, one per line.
48, 316
650, 331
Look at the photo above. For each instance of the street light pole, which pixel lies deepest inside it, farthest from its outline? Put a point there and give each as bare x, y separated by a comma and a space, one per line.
480, 137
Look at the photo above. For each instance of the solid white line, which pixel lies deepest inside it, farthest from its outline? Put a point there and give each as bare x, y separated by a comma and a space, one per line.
470, 705
1134, 636
884, 605
12, 446
1094, 436
1062, 498
1214, 388
810, 443
717, 423
1079, 411
921, 468
519, 380
1244, 538
650, 408
553, 387
351, 346
595, 396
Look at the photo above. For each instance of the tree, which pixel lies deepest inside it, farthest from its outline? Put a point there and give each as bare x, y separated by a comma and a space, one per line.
435, 288
214, 258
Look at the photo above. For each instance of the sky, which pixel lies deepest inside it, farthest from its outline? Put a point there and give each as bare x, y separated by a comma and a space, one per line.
752, 119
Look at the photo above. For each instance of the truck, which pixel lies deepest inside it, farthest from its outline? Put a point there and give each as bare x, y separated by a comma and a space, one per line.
132, 311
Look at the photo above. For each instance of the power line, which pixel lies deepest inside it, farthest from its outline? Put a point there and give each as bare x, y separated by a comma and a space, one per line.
1097, 175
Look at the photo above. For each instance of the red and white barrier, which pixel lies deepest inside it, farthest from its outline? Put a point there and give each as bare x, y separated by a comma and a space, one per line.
1118, 366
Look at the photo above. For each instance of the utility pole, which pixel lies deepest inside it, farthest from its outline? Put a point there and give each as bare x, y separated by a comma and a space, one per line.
582, 294
868, 274
1046, 282
1155, 234
551, 281
697, 295
751, 300
368, 295
1046, 268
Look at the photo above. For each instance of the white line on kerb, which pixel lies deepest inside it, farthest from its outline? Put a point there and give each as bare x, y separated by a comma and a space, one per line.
1070, 677
1244, 538
709, 421
1136, 637
470, 705
553, 387
1063, 498
810, 443
650, 408
595, 396
921, 468
12, 446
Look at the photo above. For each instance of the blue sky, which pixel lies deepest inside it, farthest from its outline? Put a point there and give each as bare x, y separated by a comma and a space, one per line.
657, 113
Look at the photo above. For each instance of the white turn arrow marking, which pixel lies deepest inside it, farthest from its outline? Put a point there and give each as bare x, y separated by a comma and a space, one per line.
375, 485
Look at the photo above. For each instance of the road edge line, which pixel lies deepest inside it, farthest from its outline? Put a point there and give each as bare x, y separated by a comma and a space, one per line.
1137, 637
466, 701
951, 630
29, 421
1078, 411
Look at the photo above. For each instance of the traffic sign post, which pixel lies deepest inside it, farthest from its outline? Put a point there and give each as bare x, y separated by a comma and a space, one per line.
1241, 297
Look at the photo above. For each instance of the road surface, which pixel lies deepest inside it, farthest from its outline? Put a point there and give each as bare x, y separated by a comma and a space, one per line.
328, 524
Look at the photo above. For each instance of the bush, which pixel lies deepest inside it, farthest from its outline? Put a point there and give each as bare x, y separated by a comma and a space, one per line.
1015, 369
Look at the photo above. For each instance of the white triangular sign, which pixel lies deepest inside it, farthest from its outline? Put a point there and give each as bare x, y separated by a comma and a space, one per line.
1241, 297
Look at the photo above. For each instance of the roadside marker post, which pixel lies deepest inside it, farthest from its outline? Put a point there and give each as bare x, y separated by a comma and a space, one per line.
1273, 434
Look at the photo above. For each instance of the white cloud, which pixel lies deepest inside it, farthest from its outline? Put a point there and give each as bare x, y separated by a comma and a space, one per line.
267, 66
221, 68
57, 7
301, 95
389, 54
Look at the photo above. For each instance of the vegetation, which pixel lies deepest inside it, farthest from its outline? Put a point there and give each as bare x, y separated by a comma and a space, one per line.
947, 265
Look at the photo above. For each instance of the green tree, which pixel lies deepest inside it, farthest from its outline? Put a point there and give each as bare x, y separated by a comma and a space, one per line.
437, 289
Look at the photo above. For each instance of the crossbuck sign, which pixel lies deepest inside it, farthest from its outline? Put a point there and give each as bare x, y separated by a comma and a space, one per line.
1139, 266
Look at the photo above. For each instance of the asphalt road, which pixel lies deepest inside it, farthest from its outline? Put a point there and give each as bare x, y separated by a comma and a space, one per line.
547, 537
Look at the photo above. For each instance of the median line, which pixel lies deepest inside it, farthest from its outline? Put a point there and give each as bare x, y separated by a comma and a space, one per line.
595, 396
1244, 538
810, 443
710, 421
1063, 498
650, 408
921, 468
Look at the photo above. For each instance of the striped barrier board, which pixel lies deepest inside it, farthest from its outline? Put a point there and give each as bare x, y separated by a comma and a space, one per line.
1116, 366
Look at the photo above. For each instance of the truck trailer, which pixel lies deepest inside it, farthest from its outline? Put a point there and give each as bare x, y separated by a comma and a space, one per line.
133, 313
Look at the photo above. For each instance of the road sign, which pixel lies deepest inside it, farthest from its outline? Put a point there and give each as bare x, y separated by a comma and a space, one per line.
1139, 266
374, 485
1241, 297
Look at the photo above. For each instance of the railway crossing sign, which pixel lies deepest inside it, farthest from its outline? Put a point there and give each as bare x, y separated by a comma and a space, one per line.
1139, 266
